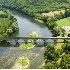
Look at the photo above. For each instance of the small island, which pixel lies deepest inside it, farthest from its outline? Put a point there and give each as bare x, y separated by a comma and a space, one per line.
26, 46
21, 63
32, 35
29, 45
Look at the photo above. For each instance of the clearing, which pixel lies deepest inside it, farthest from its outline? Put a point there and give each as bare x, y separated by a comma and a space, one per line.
53, 13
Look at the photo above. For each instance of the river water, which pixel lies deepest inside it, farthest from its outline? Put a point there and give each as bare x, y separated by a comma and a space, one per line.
8, 55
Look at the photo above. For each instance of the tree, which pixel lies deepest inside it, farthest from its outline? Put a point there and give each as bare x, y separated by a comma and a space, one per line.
65, 61
67, 13
50, 65
51, 54
66, 47
45, 18
56, 31
68, 35
63, 32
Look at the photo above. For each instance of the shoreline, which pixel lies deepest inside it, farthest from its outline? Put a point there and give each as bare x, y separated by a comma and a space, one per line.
32, 18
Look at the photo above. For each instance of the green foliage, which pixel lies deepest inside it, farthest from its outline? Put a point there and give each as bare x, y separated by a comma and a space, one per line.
63, 22
65, 61
68, 35
66, 47
23, 61
51, 54
57, 58
26, 46
32, 35
49, 66
32, 7
67, 13
56, 31
35, 8
8, 24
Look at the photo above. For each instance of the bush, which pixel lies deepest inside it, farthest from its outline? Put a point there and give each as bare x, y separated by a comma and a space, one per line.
26, 46
23, 61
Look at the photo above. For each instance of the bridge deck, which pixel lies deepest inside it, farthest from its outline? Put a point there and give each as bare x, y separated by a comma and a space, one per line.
35, 38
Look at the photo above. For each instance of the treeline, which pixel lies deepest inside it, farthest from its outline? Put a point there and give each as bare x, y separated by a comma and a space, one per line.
57, 58
50, 22
8, 24
33, 7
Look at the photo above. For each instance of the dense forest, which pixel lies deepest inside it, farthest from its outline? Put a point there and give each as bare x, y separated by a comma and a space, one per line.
35, 8
57, 58
8, 24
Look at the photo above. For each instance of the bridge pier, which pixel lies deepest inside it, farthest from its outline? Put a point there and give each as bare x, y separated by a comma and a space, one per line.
44, 41
55, 41
16, 41
7, 41
26, 41
35, 41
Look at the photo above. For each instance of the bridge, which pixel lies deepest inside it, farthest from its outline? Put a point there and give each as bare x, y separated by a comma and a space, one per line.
7, 39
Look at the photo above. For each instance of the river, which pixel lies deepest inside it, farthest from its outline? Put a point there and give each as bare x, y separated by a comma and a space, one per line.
8, 55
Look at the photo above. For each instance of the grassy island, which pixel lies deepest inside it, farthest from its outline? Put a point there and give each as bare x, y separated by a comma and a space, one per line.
26, 46
33, 35
21, 63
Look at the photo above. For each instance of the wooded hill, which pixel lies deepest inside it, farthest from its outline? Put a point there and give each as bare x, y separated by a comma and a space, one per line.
33, 7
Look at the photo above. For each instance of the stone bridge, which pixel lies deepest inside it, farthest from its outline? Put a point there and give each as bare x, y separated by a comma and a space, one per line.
25, 39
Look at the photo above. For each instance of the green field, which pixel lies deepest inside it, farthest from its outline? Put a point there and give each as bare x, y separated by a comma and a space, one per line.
63, 22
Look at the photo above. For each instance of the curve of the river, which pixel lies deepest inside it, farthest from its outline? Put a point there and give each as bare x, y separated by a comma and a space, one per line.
27, 25
8, 55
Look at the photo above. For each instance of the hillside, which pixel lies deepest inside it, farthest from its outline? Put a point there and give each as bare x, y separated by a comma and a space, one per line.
34, 7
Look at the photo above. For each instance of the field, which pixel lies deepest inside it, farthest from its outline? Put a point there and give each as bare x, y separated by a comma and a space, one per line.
63, 22
52, 13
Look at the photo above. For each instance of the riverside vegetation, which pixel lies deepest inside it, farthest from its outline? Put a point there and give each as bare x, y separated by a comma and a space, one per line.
56, 58
36, 8
8, 24
29, 45
21, 62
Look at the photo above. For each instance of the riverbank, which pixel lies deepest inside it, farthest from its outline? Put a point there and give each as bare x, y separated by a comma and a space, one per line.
8, 23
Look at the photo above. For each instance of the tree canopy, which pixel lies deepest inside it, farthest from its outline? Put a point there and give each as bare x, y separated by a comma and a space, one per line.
8, 24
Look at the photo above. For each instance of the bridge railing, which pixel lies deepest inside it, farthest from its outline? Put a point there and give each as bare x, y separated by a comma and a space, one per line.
34, 38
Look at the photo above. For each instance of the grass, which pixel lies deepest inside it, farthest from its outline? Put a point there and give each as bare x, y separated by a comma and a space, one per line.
26, 46
52, 13
63, 22
23, 61
32, 35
